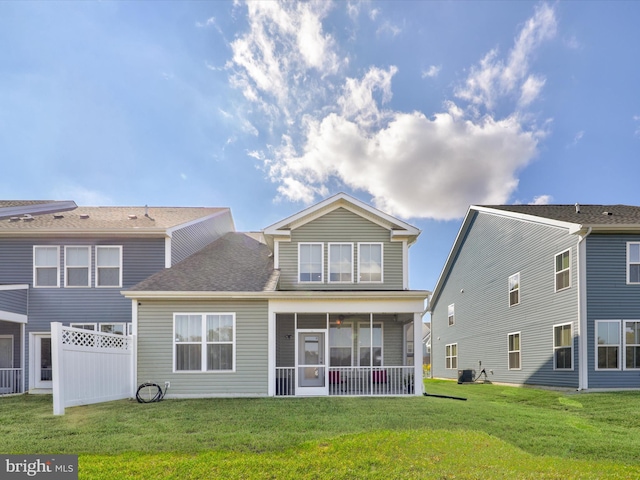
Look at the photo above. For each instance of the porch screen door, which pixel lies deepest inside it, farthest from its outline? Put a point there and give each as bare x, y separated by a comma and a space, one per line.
312, 366
44, 368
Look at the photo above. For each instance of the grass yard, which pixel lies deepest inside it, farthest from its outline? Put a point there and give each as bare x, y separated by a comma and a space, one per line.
499, 432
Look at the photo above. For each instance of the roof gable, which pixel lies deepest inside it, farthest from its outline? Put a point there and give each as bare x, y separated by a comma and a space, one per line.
397, 227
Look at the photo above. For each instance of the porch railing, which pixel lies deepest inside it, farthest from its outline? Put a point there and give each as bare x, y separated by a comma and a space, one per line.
355, 381
10, 381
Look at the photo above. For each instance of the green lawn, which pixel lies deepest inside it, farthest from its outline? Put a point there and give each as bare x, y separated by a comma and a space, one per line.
499, 432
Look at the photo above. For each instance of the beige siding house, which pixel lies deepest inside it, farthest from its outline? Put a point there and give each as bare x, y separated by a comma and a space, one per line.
316, 304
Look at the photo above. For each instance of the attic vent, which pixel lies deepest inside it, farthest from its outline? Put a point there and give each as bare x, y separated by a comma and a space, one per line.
58, 216
607, 213
84, 216
14, 219
132, 217
27, 217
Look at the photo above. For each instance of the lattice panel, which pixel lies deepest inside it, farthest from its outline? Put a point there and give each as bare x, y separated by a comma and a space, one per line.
88, 338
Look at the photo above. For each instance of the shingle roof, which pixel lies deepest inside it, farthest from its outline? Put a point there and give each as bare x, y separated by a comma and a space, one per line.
233, 263
588, 214
107, 218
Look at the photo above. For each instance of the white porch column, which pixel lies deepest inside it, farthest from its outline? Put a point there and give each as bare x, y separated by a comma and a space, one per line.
417, 353
56, 364
271, 353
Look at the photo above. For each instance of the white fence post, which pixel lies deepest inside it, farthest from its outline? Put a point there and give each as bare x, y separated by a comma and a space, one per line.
56, 365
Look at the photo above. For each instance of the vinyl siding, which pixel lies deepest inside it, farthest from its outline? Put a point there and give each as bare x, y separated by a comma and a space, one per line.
609, 298
341, 226
495, 248
14, 301
155, 349
141, 258
188, 240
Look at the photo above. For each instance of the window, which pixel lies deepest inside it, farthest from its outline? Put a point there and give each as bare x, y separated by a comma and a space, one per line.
514, 351
109, 266
370, 262
46, 265
451, 313
340, 345
451, 356
341, 262
370, 342
115, 328
563, 270
84, 326
633, 262
563, 347
6, 351
631, 344
204, 342
514, 289
77, 261
608, 345
310, 262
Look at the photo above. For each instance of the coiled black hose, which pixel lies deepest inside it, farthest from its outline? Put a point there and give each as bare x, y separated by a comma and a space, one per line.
149, 393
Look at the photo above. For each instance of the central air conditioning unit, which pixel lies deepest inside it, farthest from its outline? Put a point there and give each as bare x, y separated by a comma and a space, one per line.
466, 376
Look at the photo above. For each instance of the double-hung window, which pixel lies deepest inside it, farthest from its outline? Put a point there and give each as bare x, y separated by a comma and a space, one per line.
77, 266
451, 356
631, 344
46, 266
514, 351
310, 262
370, 345
341, 262
370, 262
514, 289
563, 347
608, 345
109, 266
204, 342
633, 262
451, 314
563, 270
115, 328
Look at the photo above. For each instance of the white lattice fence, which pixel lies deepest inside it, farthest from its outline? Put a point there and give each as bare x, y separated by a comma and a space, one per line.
90, 367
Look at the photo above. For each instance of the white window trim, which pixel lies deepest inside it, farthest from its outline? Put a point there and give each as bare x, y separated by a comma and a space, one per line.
367, 325
349, 325
98, 267
381, 262
88, 267
321, 244
509, 352
203, 343
123, 324
451, 315
10, 337
629, 282
555, 273
624, 345
83, 325
451, 367
329, 262
35, 282
619, 345
570, 324
514, 290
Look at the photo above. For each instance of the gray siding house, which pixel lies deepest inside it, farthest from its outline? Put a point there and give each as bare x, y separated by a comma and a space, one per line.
64, 263
542, 295
316, 304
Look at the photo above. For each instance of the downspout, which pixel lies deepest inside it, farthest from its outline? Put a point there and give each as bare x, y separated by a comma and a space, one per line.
583, 369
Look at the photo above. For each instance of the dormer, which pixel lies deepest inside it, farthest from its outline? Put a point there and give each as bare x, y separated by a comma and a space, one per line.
341, 243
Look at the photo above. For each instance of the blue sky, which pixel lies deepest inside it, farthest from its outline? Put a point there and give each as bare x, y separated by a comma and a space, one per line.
418, 108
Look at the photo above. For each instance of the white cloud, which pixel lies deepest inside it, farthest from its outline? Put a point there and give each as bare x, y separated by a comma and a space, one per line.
578, 136
208, 23
412, 165
389, 28
432, 71
495, 77
542, 200
81, 195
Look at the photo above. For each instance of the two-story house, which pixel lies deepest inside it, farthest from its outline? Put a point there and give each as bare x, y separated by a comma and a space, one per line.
542, 294
64, 263
316, 304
